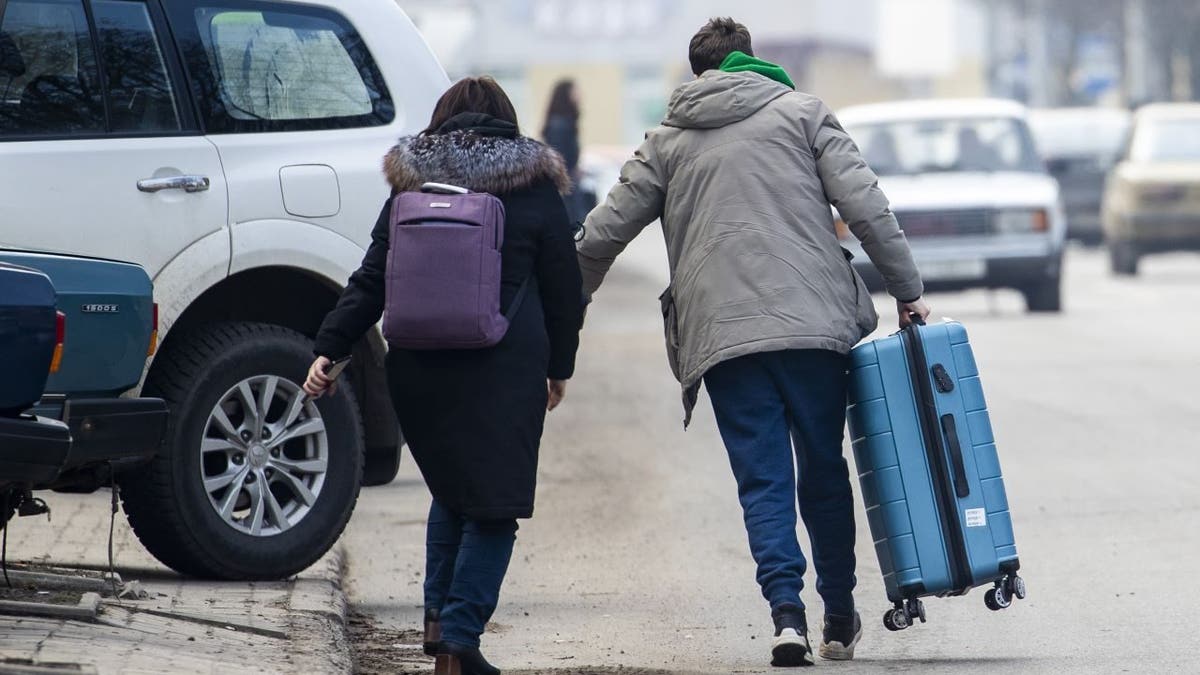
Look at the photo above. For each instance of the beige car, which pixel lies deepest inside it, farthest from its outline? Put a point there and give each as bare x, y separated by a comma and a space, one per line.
1152, 200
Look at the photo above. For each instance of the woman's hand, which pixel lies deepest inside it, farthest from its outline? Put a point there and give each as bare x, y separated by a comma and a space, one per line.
318, 382
557, 390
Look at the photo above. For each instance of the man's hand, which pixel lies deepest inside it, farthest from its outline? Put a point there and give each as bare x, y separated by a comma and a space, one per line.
907, 309
557, 389
318, 382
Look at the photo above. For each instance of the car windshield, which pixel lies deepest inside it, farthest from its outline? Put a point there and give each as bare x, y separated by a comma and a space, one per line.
1176, 140
912, 147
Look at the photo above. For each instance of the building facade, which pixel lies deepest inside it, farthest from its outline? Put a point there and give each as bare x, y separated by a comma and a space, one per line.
627, 55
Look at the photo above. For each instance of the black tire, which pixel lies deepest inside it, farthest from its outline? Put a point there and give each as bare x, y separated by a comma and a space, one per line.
997, 599
166, 501
916, 610
1018, 588
895, 620
1044, 297
381, 465
1123, 258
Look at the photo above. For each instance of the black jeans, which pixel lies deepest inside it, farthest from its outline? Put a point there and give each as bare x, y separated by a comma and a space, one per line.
465, 564
764, 404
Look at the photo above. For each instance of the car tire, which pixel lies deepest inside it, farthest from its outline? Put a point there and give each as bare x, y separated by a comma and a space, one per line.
311, 468
1123, 257
381, 465
1044, 297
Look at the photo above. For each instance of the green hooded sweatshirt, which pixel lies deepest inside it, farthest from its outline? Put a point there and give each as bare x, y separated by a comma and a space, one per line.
738, 62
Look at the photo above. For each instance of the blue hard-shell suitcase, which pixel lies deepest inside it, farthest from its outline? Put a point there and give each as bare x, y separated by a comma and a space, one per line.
929, 470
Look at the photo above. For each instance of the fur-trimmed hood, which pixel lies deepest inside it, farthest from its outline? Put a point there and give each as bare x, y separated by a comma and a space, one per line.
478, 162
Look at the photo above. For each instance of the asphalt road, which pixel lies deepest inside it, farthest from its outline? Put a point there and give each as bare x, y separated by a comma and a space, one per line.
637, 557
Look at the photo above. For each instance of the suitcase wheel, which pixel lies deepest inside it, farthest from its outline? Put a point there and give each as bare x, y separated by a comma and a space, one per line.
1018, 587
895, 619
998, 598
904, 615
1002, 595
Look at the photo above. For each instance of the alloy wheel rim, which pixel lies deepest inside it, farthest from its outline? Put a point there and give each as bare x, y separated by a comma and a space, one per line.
264, 455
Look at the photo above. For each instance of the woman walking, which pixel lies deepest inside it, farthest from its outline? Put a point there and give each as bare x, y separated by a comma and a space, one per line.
561, 132
473, 417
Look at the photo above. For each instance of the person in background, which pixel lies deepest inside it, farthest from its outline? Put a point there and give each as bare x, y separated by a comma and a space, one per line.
764, 306
473, 418
561, 132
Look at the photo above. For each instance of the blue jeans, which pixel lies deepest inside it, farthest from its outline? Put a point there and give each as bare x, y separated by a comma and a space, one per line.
765, 403
465, 564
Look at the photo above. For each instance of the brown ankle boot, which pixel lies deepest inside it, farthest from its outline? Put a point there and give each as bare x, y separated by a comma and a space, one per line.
447, 664
433, 632
455, 659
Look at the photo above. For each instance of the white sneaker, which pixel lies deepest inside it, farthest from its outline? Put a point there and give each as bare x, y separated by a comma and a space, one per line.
790, 647
839, 635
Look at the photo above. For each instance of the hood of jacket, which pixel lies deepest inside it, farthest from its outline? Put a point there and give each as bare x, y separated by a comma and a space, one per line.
476, 152
739, 62
717, 99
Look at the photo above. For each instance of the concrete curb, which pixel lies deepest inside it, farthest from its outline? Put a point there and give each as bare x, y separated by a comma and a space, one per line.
86, 610
323, 594
318, 606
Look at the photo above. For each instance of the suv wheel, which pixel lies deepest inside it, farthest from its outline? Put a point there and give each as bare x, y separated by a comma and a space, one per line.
1045, 296
254, 480
381, 465
1123, 257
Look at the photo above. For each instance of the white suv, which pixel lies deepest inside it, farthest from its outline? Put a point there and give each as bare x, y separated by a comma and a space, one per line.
232, 148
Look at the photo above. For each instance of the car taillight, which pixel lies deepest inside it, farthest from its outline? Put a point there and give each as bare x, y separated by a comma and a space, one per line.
60, 336
153, 334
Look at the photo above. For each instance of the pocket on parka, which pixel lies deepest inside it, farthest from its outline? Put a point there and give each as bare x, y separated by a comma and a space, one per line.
670, 330
864, 308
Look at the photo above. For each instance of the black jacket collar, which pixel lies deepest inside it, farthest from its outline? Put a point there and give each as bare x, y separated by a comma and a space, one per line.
479, 123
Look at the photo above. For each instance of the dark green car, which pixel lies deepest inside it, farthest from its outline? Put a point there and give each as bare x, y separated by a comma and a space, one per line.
104, 315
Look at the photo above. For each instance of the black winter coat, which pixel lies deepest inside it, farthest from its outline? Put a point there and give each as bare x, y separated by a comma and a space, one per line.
562, 134
473, 418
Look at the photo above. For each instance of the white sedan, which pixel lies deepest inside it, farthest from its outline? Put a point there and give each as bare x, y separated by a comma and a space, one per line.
970, 192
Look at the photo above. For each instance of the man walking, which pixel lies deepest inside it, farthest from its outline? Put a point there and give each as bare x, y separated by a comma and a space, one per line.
763, 305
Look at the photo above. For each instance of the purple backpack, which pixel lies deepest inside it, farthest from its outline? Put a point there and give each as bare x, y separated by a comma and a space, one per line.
443, 270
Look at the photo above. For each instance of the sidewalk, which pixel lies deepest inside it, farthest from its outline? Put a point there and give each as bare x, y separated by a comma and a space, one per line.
181, 625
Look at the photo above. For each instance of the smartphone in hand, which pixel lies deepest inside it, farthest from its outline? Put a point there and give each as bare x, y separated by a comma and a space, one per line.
335, 368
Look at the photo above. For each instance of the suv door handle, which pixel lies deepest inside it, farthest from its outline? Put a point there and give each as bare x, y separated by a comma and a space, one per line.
185, 183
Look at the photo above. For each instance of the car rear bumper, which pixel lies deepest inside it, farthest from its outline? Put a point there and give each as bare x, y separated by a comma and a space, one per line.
32, 449
1166, 245
1008, 272
1162, 231
1084, 223
114, 430
110, 429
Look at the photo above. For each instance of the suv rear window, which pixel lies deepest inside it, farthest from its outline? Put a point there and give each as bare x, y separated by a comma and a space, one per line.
262, 66
48, 77
51, 85
140, 97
